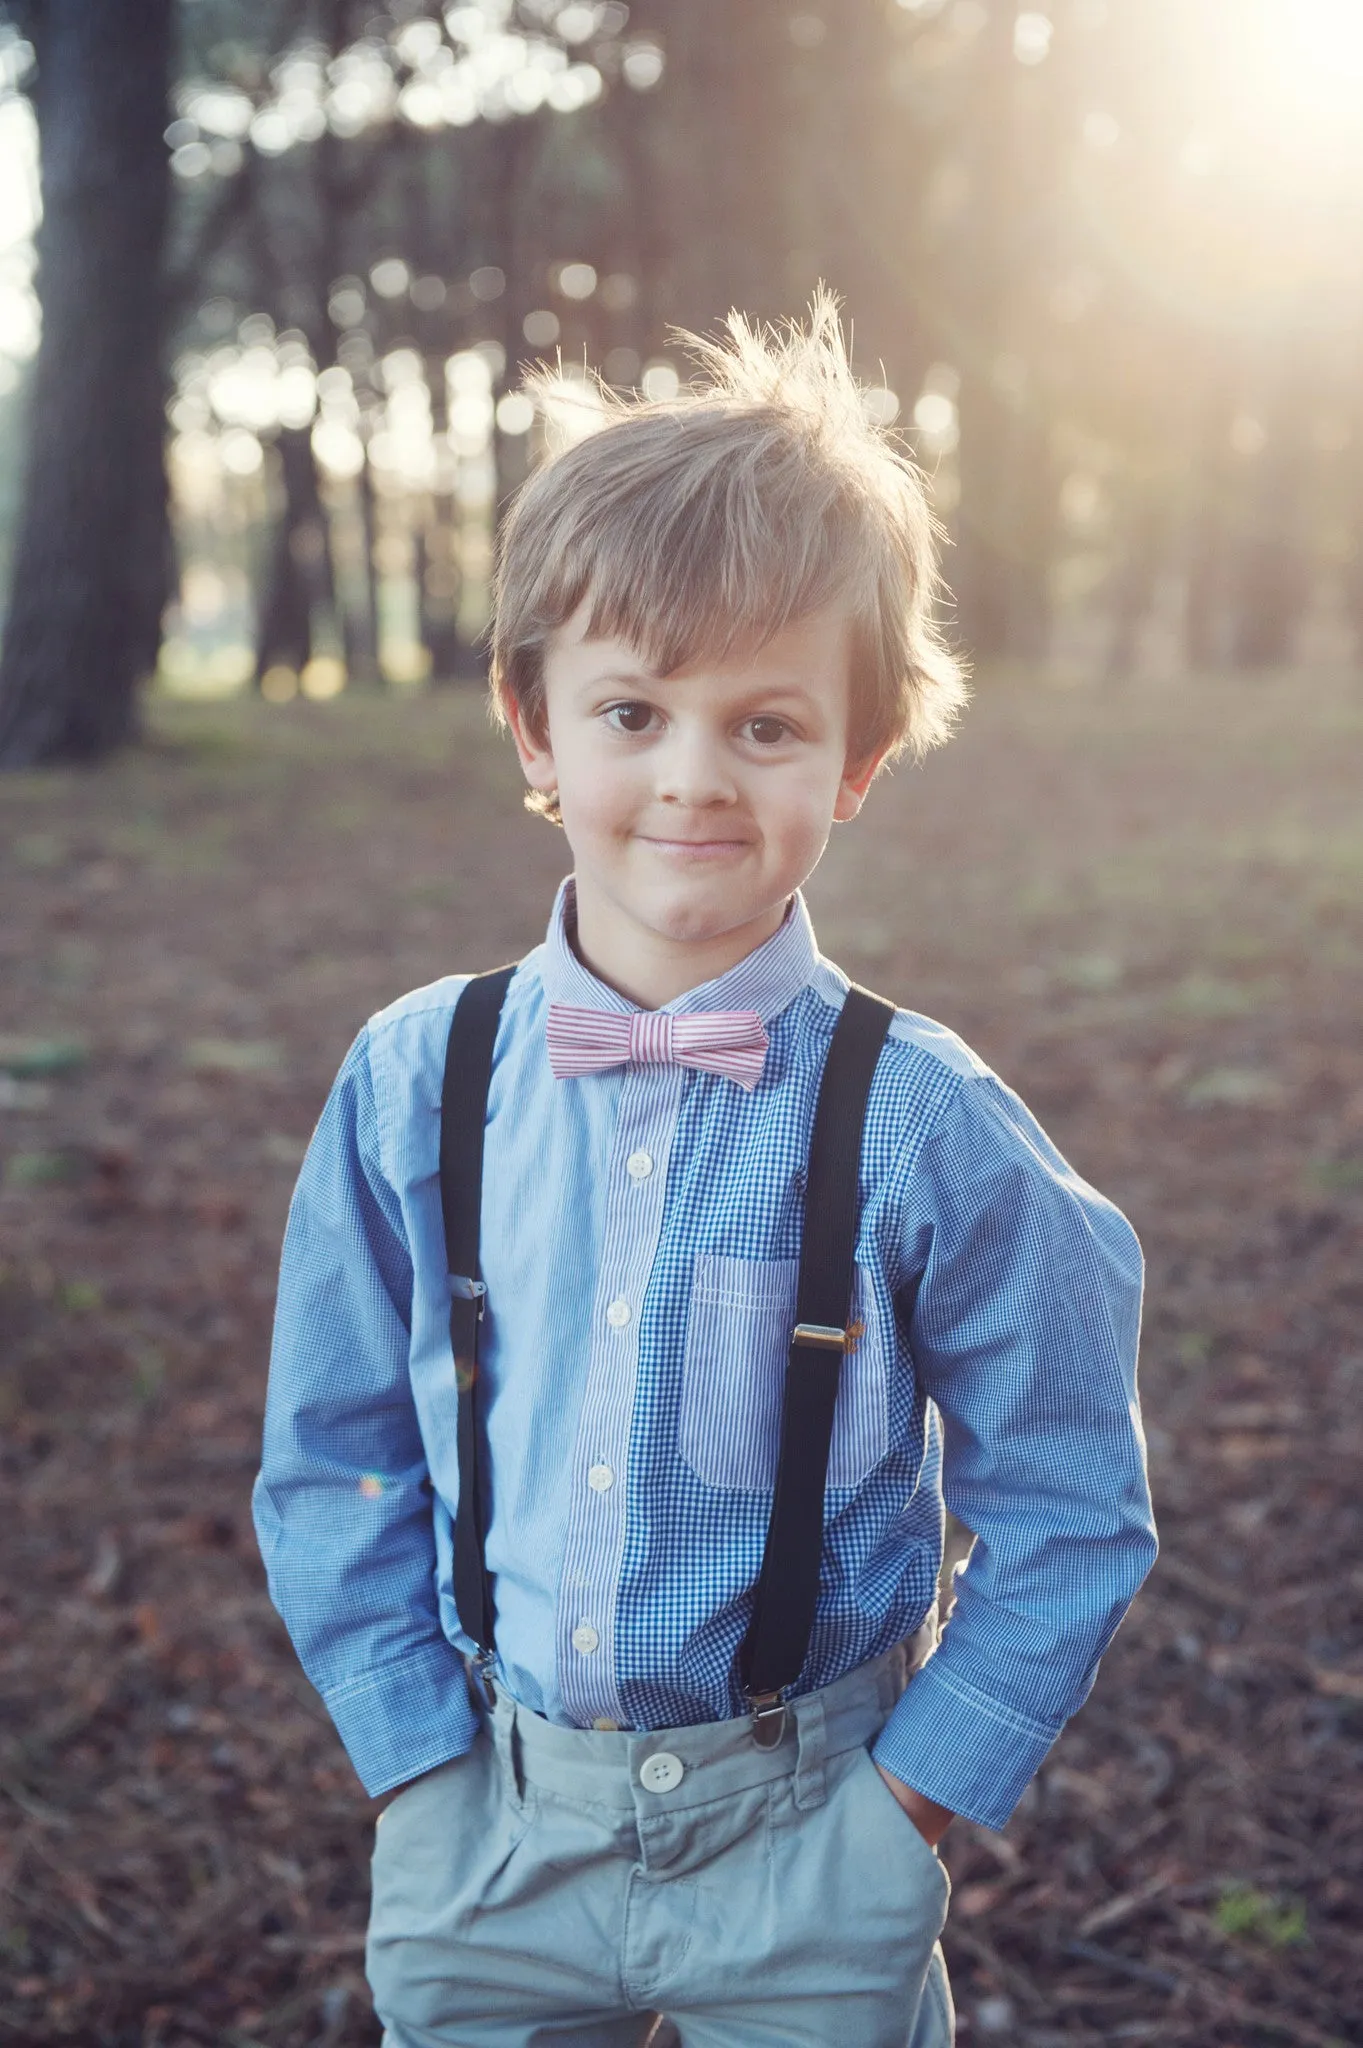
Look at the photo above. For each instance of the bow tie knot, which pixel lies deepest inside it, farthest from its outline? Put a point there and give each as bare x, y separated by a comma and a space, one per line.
728, 1042
652, 1038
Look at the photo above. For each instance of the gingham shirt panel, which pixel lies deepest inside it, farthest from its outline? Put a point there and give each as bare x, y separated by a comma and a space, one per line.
1000, 1297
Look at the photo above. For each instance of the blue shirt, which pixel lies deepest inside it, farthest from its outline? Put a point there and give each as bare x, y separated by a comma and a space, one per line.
640, 1239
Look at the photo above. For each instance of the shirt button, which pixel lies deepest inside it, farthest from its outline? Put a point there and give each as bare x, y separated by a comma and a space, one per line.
617, 1315
605, 1726
661, 1772
585, 1638
639, 1165
601, 1479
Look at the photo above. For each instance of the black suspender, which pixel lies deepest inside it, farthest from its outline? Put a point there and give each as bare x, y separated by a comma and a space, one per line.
773, 1651
463, 1119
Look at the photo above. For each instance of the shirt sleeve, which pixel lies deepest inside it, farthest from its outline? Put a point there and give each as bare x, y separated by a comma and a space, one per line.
343, 1502
1024, 1333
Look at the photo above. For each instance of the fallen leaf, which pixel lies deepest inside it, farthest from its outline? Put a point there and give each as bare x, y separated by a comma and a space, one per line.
1235, 1088
1126, 1905
972, 1900
233, 1056
29, 1058
1337, 1685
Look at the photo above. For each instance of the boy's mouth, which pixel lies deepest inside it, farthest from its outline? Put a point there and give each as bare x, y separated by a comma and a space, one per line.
695, 849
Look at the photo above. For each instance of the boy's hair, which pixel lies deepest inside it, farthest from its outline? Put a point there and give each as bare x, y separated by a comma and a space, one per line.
701, 524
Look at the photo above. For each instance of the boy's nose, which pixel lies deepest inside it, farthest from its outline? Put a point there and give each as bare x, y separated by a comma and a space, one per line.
693, 771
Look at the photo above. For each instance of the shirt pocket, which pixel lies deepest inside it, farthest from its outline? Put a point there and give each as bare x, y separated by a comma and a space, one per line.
738, 1333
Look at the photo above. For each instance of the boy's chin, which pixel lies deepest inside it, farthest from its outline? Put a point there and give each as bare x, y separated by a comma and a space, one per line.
706, 923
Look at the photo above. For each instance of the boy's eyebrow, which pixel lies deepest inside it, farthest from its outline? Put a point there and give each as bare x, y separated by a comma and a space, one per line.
786, 692
619, 676
789, 685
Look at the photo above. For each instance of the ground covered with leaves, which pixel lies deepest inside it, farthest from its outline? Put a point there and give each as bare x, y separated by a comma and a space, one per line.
1144, 906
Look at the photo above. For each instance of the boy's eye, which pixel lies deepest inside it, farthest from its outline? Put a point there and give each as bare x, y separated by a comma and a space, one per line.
768, 732
630, 717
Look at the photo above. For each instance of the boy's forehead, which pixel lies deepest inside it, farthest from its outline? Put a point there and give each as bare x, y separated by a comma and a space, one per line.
809, 649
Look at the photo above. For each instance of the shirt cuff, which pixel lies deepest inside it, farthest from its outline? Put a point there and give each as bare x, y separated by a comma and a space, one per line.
406, 1718
956, 1745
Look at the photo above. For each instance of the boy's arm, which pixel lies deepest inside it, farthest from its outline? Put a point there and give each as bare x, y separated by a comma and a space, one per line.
1024, 1332
343, 1501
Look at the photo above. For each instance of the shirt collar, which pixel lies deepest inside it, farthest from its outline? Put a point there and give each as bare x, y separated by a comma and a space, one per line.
766, 980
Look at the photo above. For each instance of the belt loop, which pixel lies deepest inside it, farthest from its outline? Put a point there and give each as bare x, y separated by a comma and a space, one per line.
507, 1747
812, 1736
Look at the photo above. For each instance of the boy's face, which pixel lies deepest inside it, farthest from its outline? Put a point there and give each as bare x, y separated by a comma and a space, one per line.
697, 803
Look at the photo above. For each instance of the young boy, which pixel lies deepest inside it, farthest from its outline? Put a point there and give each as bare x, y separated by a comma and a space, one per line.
527, 1454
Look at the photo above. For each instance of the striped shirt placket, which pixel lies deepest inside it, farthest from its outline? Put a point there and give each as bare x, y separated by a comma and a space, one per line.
590, 1587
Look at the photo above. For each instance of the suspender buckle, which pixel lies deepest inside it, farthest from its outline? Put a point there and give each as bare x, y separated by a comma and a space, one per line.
768, 1713
481, 1668
463, 1289
826, 1336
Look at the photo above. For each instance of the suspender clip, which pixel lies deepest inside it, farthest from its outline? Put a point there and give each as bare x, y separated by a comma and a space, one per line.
481, 1666
768, 1712
462, 1289
825, 1337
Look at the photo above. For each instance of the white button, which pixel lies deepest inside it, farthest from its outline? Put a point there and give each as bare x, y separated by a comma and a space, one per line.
585, 1638
617, 1315
601, 1479
661, 1772
605, 1726
639, 1165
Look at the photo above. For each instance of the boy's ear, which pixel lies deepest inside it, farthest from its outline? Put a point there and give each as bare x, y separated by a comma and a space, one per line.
853, 787
536, 758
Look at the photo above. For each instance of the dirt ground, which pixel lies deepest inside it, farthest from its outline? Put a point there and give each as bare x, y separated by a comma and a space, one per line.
1143, 906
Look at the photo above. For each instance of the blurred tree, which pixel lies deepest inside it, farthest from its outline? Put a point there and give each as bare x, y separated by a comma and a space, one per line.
715, 163
1273, 565
299, 588
89, 574
1014, 125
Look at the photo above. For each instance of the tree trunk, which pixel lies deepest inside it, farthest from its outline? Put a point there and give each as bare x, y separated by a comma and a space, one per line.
717, 137
362, 646
299, 582
1274, 576
1017, 123
983, 556
89, 561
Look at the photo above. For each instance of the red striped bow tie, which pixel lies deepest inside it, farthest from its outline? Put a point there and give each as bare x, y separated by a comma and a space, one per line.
728, 1042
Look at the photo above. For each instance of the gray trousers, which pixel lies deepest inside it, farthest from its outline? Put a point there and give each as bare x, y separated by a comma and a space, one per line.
559, 1885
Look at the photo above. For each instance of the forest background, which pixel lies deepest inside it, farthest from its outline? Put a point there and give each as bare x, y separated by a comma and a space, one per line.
268, 279
1101, 266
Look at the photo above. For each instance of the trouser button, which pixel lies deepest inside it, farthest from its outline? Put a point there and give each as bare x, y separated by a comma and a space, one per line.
661, 1772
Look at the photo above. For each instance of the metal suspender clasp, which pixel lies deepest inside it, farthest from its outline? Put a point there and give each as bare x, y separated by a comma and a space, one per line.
463, 1289
482, 1670
768, 1712
466, 1312
824, 1337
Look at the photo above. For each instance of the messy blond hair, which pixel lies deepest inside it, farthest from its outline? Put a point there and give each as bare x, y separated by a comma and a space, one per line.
699, 525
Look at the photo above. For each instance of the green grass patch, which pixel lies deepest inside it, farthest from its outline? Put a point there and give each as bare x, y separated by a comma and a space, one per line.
1249, 1915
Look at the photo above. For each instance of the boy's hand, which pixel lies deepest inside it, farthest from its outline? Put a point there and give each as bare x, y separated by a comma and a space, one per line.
384, 1800
930, 1819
